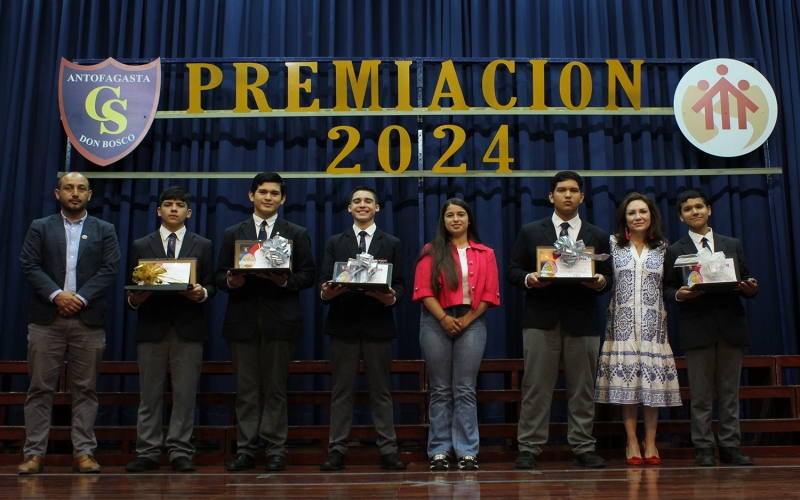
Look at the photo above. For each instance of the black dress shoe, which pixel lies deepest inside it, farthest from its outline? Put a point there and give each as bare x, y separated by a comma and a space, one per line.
589, 459
733, 456
335, 461
391, 461
704, 457
275, 462
525, 460
182, 464
243, 461
142, 464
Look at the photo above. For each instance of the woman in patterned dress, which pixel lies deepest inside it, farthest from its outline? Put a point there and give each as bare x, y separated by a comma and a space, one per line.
636, 365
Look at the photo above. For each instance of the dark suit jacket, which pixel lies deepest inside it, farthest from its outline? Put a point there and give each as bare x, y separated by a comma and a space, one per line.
160, 312
43, 260
354, 314
260, 305
703, 318
575, 305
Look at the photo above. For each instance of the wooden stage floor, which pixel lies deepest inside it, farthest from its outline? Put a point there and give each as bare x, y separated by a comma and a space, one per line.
773, 478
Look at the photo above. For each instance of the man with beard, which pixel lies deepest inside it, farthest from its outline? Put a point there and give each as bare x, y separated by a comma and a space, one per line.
70, 260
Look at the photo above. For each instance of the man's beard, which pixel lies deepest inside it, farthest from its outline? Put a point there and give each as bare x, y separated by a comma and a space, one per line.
67, 208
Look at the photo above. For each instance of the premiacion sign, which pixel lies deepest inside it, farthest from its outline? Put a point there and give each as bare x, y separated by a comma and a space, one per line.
723, 106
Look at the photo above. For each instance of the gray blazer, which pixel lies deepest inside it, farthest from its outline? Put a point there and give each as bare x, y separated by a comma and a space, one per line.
43, 262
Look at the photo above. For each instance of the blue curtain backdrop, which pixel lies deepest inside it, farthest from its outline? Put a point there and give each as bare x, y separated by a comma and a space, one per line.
761, 212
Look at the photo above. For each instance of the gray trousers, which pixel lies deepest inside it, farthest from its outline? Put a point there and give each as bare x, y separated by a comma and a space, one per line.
718, 364
345, 356
84, 346
261, 365
542, 352
185, 359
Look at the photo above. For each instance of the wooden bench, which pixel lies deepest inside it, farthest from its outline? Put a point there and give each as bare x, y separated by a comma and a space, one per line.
223, 437
775, 411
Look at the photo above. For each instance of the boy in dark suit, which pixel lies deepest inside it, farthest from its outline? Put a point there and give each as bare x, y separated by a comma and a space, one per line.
170, 329
364, 321
560, 323
713, 333
70, 260
262, 323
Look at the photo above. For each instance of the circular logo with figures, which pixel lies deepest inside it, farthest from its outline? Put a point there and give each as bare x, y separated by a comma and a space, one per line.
725, 107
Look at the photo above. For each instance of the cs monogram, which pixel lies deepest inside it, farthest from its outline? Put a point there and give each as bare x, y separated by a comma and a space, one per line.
107, 108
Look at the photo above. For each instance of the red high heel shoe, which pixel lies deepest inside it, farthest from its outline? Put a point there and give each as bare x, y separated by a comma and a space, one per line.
654, 460
634, 460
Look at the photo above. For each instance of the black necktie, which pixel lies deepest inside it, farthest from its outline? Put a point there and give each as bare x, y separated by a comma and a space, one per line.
262, 232
362, 242
171, 245
564, 227
704, 241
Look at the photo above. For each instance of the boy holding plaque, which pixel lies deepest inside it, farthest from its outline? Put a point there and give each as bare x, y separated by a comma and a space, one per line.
713, 333
170, 331
361, 322
560, 323
262, 323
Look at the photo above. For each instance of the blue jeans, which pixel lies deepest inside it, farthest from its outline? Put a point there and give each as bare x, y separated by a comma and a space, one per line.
452, 364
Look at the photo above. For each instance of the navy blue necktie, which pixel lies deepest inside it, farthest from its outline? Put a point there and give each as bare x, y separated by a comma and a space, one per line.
262, 233
704, 241
362, 242
564, 228
171, 245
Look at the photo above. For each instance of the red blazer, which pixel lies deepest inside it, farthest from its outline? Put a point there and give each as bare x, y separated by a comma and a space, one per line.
483, 281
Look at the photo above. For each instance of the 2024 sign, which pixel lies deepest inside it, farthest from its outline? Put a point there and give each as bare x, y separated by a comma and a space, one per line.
499, 144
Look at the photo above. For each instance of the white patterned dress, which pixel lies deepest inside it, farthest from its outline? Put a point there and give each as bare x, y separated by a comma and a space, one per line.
636, 363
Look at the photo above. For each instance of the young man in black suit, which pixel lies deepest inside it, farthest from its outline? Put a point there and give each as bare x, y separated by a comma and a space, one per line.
262, 323
70, 260
361, 321
170, 331
713, 333
560, 323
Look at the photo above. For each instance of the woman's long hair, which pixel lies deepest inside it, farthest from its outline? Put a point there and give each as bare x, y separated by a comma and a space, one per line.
654, 236
441, 251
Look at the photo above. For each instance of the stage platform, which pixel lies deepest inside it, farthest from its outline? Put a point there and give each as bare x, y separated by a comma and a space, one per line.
770, 478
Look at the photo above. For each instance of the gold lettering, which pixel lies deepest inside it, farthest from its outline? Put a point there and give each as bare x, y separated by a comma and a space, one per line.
403, 85
196, 87
633, 89
566, 85
368, 74
242, 87
538, 83
109, 114
295, 85
448, 76
488, 85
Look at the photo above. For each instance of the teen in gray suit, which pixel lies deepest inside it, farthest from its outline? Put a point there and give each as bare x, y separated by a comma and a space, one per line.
70, 260
361, 322
262, 323
713, 333
560, 323
170, 330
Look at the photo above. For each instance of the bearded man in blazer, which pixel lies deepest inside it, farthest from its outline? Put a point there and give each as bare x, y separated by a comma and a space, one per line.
262, 323
70, 260
713, 334
361, 322
170, 330
560, 322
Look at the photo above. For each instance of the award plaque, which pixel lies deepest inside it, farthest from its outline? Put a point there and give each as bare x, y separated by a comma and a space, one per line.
725, 279
270, 256
555, 269
377, 278
162, 275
